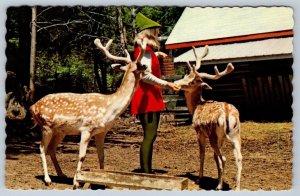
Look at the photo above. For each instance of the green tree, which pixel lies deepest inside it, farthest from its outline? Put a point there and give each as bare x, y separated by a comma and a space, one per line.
65, 35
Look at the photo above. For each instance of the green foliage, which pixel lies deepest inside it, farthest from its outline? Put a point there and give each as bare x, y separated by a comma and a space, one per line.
65, 49
14, 41
114, 80
180, 70
68, 74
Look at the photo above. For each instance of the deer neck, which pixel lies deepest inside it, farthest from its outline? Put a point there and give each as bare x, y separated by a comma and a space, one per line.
193, 99
123, 95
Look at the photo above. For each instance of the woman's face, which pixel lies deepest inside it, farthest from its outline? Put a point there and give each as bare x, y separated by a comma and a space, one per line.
156, 32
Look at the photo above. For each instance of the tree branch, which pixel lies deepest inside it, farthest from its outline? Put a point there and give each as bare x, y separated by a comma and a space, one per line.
62, 24
48, 8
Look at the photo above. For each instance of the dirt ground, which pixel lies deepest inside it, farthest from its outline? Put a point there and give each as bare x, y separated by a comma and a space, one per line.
266, 150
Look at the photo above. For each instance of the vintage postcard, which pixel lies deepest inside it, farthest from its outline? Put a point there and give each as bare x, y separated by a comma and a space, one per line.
149, 98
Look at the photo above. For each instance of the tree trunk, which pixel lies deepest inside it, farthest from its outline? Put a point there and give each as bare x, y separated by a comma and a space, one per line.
102, 64
122, 29
96, 69
23, 67
32, 54
133, 14
101, 79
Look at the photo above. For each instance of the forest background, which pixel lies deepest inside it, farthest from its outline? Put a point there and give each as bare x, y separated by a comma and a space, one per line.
64, 58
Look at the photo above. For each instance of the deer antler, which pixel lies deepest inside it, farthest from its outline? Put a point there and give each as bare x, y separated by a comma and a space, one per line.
191, 68
105, 49
143, 45
199, 58
218, 74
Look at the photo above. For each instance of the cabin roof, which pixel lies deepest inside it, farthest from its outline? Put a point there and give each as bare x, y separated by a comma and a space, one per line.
199, 24
274, 48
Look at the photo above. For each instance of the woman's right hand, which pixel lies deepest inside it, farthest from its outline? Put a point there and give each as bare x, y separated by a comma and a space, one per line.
173, 86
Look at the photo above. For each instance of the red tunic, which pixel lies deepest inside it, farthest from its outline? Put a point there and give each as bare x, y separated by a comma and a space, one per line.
148, 97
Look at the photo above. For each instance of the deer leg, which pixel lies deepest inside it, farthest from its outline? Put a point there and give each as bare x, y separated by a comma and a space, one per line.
46, 138
220, 161
84, 141
100, 148
56, 139
238, 158
201, 141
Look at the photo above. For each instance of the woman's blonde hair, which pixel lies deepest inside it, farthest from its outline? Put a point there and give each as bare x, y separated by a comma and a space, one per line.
151, 34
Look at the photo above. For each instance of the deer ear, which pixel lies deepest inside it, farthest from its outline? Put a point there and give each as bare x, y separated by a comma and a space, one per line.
118, 67
206, 86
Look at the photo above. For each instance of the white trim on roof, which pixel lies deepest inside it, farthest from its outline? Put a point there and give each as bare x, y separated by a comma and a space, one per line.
248, 51
206, 23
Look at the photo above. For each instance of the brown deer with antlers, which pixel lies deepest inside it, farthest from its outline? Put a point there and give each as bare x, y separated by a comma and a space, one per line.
89, 115
214, 120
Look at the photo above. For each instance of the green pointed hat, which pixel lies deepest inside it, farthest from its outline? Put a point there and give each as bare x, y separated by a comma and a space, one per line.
142, 22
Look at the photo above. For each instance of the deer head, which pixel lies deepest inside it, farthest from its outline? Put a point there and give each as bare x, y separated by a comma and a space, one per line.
192, 83
194, 80
132, 66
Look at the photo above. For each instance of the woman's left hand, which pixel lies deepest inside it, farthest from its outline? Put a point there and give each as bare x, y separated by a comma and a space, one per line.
161, 54
173, 86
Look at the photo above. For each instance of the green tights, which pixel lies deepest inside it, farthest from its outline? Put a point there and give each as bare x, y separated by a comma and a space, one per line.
150, 122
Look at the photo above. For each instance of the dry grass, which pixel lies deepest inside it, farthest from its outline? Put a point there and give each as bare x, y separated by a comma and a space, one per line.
266, 149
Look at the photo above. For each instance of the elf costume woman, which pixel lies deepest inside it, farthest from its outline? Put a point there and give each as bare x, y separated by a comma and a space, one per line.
147, 102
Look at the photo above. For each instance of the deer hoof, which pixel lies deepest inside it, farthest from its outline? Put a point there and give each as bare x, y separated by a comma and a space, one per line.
48, 181
219, 187
75, 185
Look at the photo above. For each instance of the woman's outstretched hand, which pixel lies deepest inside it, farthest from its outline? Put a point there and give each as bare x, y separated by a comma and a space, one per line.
161, 54
173, 86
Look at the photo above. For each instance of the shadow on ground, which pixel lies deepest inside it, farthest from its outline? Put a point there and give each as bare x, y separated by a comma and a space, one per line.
57, 179
206, 183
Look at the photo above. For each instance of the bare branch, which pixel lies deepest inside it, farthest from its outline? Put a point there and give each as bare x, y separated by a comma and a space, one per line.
48, 8
62, 24
98, 14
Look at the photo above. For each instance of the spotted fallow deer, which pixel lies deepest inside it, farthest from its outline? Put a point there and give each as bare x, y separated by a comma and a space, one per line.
214, 120
88, 115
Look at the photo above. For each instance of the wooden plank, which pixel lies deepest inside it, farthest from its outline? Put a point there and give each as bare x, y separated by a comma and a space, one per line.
276, 90
271, 90
227, 85
244, 82
265, 91
86, 186
288, 89
228, 89
282, 92
261, 92
132, 180
256, 97
251, 94
290, 84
